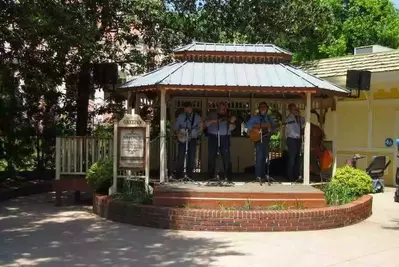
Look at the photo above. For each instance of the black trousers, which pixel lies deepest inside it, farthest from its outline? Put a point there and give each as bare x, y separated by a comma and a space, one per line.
190, 160
294, 146
224, 152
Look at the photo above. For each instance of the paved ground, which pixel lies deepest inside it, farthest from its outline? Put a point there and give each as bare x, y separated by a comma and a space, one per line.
34, 233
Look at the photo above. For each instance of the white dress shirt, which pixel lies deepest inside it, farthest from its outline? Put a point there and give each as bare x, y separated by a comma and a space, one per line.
294, 125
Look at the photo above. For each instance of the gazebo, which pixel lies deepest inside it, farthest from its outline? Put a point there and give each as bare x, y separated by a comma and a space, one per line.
243, 74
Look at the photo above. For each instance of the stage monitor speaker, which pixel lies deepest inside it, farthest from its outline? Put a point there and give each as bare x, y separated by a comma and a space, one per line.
105, 73
352, 79
365, 79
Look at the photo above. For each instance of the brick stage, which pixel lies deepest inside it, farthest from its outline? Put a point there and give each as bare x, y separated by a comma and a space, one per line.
239, 195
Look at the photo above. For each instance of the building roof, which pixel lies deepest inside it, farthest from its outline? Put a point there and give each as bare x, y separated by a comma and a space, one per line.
242, 76
374, 62
231, 48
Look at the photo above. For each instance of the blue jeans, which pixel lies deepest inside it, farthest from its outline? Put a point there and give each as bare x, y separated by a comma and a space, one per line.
262, 153
190, 161
224, 152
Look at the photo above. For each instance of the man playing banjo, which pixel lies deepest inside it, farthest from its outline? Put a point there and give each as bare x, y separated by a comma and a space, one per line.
187, 128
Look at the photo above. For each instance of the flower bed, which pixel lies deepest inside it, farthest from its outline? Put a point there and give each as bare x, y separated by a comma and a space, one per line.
232, 220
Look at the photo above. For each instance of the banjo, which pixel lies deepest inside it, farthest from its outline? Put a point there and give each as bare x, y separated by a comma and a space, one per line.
184, 135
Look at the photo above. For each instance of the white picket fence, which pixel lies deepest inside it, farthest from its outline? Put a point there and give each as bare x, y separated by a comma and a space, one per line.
76, 154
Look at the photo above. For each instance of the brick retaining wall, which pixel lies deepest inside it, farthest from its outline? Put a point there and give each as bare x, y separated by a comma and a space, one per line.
219, 220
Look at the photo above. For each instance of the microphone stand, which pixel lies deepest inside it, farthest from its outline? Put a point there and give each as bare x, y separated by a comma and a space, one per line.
260, 181
216, 180
269, 179
187, 136
300, 178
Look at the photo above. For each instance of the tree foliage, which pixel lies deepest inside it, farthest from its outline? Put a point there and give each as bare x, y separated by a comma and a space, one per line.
46, 45
359, 23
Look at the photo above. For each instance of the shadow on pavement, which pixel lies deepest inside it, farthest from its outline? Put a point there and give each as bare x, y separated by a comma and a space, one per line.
35, 233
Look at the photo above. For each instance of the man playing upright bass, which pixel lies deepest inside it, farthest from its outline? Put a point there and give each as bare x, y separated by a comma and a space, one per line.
187, 128
260, 127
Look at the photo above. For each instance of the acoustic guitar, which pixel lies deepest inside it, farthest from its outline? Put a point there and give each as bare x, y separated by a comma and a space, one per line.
258, 132
255, 134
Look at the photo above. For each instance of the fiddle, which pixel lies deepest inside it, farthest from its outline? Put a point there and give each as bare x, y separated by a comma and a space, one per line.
223, 117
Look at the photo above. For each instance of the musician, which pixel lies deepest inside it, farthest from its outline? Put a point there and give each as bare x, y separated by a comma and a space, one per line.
221, 122
264, 123
191, 122
293, 132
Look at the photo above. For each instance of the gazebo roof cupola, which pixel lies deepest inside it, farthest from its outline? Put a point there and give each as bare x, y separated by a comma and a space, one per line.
232, 53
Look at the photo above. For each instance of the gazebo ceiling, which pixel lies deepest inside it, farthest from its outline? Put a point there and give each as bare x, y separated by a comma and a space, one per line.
233, 77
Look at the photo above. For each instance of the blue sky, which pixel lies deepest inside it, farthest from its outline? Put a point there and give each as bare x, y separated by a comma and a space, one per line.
396, 2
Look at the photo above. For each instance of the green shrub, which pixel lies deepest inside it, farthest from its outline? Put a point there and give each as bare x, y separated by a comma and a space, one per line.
347, 185
134, 191
99, 176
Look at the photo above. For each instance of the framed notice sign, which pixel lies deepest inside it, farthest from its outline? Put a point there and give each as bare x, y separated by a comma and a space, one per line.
131, 144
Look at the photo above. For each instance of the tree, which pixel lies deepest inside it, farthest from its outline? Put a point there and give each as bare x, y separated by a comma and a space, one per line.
361, 22
44, 45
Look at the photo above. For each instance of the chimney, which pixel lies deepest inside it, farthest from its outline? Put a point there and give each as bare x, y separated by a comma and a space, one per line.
371, 49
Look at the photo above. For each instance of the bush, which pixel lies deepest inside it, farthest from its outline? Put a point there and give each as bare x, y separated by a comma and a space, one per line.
99, 176
347, 185
134, 191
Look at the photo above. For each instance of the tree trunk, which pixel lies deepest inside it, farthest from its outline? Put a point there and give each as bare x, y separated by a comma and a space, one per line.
82, 116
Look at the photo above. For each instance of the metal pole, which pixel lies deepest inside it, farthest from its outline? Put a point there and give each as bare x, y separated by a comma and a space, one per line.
147, 156
114, 187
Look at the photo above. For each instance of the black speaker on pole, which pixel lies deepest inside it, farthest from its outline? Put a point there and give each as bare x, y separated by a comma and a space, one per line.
358, 79
365, 79
111, 73
105, 73
352, 79
98, 74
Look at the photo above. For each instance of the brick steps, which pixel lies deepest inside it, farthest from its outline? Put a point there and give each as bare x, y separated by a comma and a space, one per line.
212, 200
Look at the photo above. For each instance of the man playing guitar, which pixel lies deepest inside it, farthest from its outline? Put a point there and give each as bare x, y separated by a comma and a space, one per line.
260, 127
187, 128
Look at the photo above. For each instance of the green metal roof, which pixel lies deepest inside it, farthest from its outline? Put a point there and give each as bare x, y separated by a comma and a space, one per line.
256, 77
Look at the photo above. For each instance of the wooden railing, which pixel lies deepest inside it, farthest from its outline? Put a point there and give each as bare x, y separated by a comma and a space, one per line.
76, 154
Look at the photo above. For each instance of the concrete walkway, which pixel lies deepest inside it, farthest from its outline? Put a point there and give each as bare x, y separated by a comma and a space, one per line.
35, 233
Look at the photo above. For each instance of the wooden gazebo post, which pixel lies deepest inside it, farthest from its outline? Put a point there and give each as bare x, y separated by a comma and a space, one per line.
335, 129
162, 137
306, 145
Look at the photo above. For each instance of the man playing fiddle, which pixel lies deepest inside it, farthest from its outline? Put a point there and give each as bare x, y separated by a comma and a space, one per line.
261, 124
219, 126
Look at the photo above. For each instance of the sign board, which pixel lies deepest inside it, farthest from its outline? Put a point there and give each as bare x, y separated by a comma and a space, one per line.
131, 149
388, 142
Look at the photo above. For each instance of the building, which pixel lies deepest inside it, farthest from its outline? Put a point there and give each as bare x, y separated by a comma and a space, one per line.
365, 123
